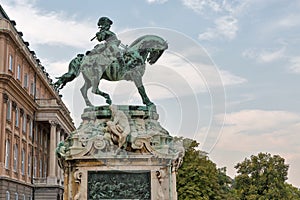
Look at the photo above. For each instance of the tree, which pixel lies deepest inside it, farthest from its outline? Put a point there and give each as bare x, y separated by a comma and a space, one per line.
263, 177
198, 178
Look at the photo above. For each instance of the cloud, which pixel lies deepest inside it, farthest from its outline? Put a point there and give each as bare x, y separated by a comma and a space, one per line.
231, 79
271, 56
248, 132
51, 28
224, 13
288, 21
233, 7
200, 5
265, 56
57, 68
295, 64
225, 27
265, 121
156, 1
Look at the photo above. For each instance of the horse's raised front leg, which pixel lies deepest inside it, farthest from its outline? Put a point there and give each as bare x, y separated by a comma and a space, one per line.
96, 90
84, 89
139, 84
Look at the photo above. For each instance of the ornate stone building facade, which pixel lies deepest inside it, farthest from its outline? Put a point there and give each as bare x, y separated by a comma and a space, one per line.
33, 119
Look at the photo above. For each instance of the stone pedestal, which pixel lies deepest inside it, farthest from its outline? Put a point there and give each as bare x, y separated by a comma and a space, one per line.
120, 152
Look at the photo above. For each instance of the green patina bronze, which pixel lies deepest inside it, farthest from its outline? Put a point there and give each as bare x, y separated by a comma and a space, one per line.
114, 61
74, 70
119, 185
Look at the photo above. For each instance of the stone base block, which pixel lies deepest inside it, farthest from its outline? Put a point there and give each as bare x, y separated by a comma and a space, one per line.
121, 178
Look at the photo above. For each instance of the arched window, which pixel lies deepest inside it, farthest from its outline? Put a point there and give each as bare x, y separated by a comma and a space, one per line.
23, 162
16, 196
24, 198
7, 196
17, 117
8, 110
7, 153
16, 150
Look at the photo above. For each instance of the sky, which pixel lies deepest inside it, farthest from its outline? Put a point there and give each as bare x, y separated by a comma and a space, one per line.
229, 78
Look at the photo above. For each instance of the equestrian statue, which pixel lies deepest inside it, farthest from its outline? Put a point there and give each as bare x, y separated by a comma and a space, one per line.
113, 61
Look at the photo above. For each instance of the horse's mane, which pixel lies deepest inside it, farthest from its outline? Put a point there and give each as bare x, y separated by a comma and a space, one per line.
141, 38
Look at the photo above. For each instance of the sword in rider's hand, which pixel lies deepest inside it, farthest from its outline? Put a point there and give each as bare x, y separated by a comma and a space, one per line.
93, 38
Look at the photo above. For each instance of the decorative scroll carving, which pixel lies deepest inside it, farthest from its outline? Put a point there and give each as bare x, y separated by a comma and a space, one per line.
102, 127
21, 111
14, 104
160, 174
53, 122
5, 98
77, 179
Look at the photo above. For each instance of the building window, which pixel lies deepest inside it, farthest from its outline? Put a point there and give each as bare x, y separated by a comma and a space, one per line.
10, 63
8, 110
29, 164
24, 127
7, 153
7, 196
41, 168
34, 166
16, 196
45, 142
19, 72
23, 162
25, 80
45, 169
17, 118
24, 198
37, 93
32, 89
15, 166
30, 128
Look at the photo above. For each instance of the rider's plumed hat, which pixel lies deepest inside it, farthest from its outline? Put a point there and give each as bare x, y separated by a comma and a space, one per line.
104, 20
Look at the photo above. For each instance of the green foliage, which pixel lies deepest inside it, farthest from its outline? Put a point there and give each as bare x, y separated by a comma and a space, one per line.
198, 177
263, 177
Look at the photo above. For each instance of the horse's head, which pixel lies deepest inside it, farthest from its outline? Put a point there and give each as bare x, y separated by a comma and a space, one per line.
156, 51
150, 47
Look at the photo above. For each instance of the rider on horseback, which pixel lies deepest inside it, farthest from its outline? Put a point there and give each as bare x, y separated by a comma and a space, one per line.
112, 42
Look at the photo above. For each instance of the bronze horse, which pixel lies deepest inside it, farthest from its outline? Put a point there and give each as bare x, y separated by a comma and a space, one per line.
100, 63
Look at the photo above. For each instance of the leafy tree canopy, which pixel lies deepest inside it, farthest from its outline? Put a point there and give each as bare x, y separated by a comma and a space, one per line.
260, 177
198, 177
263, 177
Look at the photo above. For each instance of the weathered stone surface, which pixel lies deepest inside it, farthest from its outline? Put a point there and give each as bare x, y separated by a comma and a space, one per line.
92, 138
97, 146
